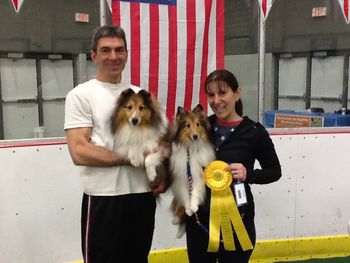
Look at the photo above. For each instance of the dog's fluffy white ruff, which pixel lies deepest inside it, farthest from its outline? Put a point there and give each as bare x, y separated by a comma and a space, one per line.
134, 141
201, 153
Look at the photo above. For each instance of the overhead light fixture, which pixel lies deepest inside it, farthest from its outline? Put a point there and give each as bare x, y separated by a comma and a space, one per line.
15, 55
320, 54
286, 55
54, 56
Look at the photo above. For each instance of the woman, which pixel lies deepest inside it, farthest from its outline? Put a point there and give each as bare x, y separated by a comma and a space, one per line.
238, 141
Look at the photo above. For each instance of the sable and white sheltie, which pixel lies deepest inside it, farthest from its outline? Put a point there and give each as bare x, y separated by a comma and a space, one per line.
138, 126
192, 150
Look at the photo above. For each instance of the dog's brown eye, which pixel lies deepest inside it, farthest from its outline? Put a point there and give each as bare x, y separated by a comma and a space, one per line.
198, 124
188, 125
141, 108
129, 107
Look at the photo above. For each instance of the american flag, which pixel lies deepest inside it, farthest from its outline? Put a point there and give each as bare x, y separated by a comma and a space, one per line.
266, 6
344, 4
172, 46
17, 4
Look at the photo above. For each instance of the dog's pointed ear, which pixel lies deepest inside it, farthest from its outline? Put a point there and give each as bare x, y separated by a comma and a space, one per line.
127, 93
144, 93
180, 110
124, 96
147, 97
198, 109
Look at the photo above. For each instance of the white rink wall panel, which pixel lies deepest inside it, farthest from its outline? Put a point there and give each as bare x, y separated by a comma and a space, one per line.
275, 203
313, 196
40, 196
40, 203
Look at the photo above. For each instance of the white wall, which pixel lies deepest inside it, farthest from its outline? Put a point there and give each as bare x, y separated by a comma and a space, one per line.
40, 195
312, 197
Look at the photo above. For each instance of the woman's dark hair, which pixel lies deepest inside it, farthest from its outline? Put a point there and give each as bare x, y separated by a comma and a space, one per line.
107, 31
223, 75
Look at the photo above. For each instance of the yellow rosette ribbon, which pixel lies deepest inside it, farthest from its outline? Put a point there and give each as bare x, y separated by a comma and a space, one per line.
223, 210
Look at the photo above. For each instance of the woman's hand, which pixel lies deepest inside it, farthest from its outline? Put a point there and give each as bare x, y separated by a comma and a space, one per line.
238, 171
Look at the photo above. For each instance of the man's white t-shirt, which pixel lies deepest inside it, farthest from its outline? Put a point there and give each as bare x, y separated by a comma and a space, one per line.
91, 104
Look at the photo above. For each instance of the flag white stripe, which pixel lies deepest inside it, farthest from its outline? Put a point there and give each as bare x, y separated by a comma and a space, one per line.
200, 17
125, 24
163, 54
181, 49
212, 40
144, 45
109, 3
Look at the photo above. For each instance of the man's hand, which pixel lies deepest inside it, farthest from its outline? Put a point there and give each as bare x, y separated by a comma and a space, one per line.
161, 183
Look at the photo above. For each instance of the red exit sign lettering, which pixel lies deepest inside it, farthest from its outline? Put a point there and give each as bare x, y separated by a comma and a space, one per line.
319, 11
82, 17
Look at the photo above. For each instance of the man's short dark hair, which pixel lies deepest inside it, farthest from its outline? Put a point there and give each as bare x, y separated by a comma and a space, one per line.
107, 31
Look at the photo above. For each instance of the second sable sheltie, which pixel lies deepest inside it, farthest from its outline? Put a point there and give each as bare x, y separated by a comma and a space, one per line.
138, 126
192, 150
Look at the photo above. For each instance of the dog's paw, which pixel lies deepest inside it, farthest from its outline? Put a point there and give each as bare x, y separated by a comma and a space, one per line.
181, 231
135, 162
176, 221
189, 211
152, 174
194, 208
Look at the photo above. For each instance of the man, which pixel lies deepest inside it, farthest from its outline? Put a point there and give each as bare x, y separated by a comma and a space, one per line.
118, 205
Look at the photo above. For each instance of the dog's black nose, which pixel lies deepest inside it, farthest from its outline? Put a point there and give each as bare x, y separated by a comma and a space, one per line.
134, 121
195, 136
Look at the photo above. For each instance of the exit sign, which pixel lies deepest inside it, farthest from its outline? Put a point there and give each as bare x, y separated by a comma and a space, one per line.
82, 17
319, 11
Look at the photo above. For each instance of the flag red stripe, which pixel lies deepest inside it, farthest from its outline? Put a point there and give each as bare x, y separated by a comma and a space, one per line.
15, 3
346, 10
116, 13
154, 49
263, 6
172, 73
190, 52
202, 95
220, 34
135, 41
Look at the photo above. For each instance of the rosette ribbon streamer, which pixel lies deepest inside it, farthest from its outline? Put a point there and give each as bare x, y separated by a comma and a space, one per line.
224, 212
